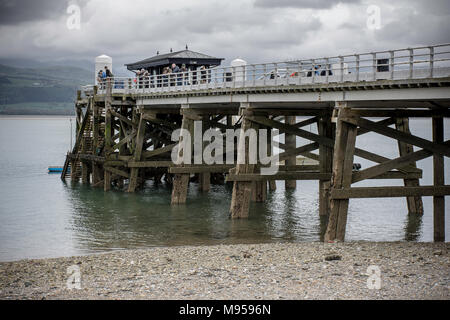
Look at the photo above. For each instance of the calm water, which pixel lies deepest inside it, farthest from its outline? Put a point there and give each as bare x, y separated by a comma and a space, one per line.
40, 216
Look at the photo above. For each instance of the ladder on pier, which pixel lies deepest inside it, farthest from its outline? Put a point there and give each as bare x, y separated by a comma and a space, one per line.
83, 142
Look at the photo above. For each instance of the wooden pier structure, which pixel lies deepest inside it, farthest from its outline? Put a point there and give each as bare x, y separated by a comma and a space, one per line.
125, 125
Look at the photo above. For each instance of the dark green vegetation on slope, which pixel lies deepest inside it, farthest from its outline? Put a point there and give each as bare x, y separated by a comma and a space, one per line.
40, 90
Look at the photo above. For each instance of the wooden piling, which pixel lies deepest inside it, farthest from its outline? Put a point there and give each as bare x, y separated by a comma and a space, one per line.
342, 174
181, 180
242, 190
204, 177
415, 205
139, 144
109, 132
325, 128
290, 143
438, 179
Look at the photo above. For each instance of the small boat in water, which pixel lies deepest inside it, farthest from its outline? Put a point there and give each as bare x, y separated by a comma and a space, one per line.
55, 169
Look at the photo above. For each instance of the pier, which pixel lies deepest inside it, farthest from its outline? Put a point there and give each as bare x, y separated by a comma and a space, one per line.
124, 129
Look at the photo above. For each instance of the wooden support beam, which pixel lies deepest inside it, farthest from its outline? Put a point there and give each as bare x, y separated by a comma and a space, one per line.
124, 140
271, 183
242, 190
260, 190
279, 176
402, 113
306, 122
325, 128
390, 192
181, 180
438, 179
150, 164
385, 122
137, 154
96, 169
118, 172
205, 177
290, 143
330, 143
303, 150
159, 151
285, 128
342, 175
415, 205
161, 122
98, 184
401, 136
109, 131
392, 164
302, 123
320, 112
123, 118
380, 159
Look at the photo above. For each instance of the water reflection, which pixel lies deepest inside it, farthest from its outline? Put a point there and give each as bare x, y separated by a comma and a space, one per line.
413, 227
104, 221
111, 220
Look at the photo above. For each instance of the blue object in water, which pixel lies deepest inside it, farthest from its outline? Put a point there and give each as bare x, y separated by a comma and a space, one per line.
54, 169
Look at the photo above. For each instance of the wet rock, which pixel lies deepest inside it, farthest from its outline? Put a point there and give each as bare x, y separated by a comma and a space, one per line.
332, 257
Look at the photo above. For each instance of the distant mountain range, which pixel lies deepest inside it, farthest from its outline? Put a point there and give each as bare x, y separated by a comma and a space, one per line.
26, 86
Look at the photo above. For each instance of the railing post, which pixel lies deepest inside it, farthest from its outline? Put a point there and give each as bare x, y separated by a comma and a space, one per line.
265, 74
341, 62
391, 65
357, 66
327, 67
411, 63
374, 66
431, 61
275, 73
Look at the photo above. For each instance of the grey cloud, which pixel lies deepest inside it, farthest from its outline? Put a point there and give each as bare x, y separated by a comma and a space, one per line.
14, 12
305, 4
435, 7
416, 28
129, 32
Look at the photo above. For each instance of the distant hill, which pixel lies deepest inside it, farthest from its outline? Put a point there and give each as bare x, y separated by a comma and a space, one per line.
41, 85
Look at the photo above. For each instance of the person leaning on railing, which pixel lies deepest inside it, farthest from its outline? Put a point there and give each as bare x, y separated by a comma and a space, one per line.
165, 76
203, 74
100, 78
185, 73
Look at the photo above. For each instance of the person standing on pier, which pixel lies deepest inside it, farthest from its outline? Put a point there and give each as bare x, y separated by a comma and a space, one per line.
185, 74
176, 69
100, 78
108, 73
203, 74
165, 76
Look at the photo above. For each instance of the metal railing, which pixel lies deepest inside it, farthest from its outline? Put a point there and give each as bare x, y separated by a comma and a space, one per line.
409, 63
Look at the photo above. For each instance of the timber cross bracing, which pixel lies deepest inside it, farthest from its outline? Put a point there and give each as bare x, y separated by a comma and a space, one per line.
124, 137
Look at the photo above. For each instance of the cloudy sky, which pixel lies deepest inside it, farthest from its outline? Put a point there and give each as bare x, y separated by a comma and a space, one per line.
255, 30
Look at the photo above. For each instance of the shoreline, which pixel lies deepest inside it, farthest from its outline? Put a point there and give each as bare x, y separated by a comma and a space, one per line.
35, 116
309, 270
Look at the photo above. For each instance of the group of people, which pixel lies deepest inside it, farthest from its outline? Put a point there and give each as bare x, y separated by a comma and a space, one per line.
319, 71
170, 76
102, 75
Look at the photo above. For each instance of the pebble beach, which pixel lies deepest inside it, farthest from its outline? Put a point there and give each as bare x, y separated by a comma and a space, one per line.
249, 271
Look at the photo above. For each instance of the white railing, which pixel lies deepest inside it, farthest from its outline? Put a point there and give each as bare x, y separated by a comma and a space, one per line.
409, 63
